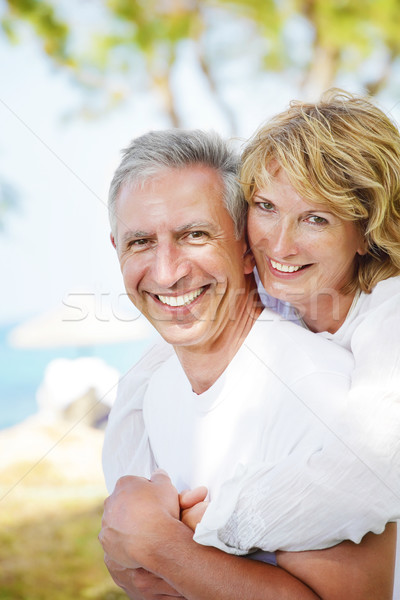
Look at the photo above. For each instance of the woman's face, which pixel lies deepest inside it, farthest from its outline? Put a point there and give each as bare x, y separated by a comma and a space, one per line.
303, 252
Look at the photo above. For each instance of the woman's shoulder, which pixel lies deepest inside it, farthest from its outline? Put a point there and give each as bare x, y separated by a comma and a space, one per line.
386, 293
377, 316
371, 313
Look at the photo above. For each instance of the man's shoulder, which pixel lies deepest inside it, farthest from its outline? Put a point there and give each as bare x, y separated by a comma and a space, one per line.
148, 364
134, 382
126, 449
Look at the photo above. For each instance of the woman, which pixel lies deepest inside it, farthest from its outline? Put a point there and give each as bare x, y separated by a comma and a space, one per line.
323, 186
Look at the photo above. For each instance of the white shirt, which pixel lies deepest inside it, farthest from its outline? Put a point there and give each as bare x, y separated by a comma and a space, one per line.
259, 411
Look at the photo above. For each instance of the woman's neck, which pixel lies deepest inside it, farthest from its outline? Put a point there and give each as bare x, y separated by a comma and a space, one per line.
326, 312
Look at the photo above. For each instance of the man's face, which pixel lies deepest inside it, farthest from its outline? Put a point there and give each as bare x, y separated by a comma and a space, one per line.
182, 266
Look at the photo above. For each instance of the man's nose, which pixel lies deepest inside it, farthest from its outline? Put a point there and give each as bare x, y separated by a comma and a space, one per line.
170, 264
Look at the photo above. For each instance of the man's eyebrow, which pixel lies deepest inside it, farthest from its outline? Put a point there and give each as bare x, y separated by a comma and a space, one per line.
138, 234
134, 235
196, 225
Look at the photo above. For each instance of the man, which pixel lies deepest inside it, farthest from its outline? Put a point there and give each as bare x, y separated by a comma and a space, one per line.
235, 393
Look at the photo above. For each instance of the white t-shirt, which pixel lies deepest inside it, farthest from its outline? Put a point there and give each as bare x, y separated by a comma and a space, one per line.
268, 403
289, 355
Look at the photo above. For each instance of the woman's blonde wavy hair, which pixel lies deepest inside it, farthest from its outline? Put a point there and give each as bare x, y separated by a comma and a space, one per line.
344, 153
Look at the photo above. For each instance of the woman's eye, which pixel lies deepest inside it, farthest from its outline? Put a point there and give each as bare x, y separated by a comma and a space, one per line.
267, 206
316, 220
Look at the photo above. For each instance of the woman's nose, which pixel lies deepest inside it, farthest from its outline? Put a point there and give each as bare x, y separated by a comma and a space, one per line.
283, 240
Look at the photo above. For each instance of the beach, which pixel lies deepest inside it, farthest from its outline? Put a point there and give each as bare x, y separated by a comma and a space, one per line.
51, 500
51, 481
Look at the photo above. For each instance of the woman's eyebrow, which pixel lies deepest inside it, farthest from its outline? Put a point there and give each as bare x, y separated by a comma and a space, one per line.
261, 196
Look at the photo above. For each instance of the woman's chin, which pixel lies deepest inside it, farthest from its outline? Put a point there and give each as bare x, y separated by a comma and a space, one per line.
284, 291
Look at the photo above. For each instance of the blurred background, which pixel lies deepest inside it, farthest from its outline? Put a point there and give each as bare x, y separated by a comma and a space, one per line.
79, 79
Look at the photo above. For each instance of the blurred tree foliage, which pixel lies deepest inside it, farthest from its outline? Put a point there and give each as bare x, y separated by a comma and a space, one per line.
137, 43
50, 29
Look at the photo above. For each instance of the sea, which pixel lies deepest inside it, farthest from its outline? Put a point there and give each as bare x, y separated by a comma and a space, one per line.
22, 371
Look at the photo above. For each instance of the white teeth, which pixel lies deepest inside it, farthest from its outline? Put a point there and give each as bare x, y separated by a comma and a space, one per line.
180, 300
284, 268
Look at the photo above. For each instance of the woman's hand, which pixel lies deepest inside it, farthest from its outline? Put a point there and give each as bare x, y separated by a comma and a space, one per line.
193, 506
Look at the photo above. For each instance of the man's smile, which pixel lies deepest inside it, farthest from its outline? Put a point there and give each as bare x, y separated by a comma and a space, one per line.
183, 300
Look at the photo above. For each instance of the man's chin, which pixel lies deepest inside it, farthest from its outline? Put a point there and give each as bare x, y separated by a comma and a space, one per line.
183, 334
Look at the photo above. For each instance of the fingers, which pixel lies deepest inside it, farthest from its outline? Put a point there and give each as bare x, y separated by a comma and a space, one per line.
110, 563
131, 482
189, 498
191, 517
160, 477
125, 484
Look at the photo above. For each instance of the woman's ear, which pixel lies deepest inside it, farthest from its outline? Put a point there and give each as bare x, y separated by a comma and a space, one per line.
113, 240
363, 247
363, 241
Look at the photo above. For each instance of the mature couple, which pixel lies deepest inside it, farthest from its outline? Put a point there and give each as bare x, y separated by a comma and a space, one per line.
292, 425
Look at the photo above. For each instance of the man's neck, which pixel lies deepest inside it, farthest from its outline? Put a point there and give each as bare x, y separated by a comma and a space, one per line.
204, 363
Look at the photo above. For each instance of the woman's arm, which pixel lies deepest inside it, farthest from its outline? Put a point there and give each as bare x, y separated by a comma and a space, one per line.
141, 525
348, 570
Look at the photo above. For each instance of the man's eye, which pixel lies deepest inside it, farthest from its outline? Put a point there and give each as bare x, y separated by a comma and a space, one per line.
138, 244
197, 235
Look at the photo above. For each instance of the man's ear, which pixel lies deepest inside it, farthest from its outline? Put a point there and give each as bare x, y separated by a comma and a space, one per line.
113, 240
249, 262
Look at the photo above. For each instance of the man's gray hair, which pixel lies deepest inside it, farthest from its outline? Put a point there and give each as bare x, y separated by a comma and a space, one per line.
151, 153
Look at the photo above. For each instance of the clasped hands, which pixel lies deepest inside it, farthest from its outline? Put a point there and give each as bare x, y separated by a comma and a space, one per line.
135, 525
